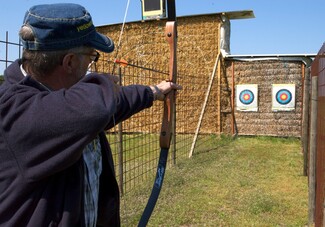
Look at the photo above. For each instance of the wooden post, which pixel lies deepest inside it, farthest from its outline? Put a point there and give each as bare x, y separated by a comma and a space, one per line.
219, 84
312, 150
233, 97
305, 119
219, 99
204, 106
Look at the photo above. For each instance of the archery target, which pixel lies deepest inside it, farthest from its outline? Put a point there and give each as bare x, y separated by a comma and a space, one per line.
283, 97
246, 97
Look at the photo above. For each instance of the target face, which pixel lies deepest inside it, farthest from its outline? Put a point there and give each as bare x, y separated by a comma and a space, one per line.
283, 97
246, 97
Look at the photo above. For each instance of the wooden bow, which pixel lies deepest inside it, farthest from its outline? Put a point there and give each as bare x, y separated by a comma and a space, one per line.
168, 115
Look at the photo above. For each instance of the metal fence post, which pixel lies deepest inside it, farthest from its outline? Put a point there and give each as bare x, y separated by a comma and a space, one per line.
120, 147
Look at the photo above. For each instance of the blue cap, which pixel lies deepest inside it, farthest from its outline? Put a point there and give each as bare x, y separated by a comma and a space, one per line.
63, 26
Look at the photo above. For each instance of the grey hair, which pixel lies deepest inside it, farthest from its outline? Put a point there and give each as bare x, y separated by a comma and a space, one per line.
40, 63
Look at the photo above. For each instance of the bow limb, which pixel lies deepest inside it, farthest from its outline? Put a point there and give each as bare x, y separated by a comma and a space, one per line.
168, 115
169, 104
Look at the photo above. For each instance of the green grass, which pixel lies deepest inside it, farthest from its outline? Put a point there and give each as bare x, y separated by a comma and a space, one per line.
250, 181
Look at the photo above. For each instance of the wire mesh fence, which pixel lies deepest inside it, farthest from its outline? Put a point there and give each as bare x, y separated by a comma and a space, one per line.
9, 51
135, 142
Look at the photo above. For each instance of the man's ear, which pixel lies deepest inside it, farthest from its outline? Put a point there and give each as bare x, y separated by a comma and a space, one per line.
68, 62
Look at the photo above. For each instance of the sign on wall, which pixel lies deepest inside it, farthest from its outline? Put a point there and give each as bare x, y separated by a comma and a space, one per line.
246, 97
283, 97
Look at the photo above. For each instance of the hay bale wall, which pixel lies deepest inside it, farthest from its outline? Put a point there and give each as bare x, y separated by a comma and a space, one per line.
198, 48
264, 74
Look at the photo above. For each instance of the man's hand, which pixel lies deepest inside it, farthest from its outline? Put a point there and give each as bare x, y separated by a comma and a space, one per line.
163, 88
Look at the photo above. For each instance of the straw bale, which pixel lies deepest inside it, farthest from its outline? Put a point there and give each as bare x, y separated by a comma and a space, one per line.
144, 43
196, 53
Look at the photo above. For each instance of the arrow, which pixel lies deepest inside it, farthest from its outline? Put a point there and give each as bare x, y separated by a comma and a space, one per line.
124, 63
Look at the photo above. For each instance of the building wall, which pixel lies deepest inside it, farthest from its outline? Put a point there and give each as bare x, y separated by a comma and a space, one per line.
265, 73
197, 51
318, 70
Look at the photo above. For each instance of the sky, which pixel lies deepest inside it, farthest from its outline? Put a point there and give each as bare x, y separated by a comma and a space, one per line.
279, 26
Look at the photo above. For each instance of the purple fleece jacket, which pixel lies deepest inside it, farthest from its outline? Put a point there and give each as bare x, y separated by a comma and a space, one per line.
42, 138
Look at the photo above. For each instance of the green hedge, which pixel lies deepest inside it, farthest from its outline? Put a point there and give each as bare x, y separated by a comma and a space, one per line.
1, 79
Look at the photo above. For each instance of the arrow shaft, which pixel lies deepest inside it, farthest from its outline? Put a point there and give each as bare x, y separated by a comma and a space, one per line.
138, 66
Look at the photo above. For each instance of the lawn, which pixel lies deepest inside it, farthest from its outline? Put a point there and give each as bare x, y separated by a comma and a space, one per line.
249, 181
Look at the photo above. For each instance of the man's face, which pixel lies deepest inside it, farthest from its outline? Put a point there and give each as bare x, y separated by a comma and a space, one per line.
81, 64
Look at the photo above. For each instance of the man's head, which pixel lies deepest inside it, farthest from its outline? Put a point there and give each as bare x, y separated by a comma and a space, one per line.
63, 26
60, 37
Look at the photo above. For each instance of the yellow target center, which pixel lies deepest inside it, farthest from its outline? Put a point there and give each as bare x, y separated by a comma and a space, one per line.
246, 97
284, 97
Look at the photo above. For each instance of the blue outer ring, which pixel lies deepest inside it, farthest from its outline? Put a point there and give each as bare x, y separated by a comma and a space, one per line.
281, 92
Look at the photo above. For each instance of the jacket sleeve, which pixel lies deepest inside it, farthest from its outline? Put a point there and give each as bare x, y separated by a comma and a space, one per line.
47, 131
131, 100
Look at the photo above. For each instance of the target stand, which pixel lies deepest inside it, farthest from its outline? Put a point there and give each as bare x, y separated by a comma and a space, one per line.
246, 97
283, 97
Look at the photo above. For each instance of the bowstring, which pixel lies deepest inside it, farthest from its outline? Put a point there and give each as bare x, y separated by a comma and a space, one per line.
121, 34
117, 52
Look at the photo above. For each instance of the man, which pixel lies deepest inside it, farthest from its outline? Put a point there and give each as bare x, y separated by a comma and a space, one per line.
56, 166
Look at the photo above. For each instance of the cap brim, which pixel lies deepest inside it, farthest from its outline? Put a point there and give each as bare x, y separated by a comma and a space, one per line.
102, 43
